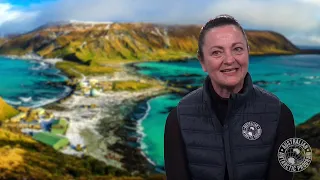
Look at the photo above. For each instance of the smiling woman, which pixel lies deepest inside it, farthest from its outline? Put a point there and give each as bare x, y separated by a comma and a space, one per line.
228, 124
224, 55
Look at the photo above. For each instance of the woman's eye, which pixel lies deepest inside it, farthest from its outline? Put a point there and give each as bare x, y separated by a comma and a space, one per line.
239, 49
215, 53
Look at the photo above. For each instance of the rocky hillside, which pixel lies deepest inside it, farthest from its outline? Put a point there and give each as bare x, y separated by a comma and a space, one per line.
310, 131
6, 111
24, 158
87, 43
2, 40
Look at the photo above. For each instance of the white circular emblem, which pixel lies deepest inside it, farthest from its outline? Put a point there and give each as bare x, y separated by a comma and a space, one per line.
251, 130
295, 155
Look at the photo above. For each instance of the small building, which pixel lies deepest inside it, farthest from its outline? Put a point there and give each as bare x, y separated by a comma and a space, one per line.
46, 124
59, 126
93, 82
106, 86
48, 115
55, 141
94, 92
18, 117
83, 84
39, 111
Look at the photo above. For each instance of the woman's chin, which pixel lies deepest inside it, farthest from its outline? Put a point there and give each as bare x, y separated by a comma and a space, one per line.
231, 83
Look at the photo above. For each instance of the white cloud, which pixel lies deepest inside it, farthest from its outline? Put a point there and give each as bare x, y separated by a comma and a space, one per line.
315, 2
315, 39
6, 14
298, 20
311, 40
280, 15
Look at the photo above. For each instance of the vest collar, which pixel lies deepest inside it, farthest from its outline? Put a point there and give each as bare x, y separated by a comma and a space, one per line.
235, 98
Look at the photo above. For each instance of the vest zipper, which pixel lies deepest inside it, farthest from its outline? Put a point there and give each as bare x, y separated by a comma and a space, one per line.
226, 138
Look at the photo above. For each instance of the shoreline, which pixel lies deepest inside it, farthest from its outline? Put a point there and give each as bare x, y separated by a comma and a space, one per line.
133, 159
69, 88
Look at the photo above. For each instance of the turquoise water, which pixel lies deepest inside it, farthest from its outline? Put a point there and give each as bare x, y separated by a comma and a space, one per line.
25, 83
294, 79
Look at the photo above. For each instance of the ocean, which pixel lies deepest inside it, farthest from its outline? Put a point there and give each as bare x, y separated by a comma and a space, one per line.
294, 79
30, 83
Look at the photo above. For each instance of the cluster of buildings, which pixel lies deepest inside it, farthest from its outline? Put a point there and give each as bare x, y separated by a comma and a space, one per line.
93, 87
43, 126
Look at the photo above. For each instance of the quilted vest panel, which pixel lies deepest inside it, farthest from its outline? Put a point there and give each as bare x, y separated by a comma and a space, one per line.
211, 146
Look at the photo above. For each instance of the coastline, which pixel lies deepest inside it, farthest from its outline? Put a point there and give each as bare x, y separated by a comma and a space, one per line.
115, 142
127, 157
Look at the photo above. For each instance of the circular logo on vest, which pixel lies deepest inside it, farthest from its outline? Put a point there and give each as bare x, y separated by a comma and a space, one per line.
251, 130
295, 155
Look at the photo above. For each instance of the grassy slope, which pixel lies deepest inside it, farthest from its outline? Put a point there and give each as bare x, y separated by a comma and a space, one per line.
6, 111
22, 157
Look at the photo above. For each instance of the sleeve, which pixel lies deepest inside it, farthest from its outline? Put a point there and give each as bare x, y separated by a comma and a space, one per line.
176, 165
286, 130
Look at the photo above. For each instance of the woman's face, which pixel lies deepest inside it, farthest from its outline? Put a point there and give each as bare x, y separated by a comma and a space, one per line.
225, 56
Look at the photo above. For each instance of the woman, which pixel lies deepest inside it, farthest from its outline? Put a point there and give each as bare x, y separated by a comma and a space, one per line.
228, 128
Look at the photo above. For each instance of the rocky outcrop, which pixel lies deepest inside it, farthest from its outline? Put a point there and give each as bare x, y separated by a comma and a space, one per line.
87, 43
310, 132
2, 40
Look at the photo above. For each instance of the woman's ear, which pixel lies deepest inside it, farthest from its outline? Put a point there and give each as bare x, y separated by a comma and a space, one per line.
201, 60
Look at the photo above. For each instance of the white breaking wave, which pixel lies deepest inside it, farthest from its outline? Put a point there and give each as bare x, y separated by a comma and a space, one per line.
143, 145
25, 99
45, 101
139, 122
40, 66
12, 102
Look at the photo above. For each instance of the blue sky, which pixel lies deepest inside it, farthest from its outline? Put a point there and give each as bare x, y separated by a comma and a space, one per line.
25, 2
298, 20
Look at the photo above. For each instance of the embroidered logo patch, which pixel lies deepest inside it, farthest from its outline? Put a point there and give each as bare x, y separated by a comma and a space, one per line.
251, 130
295, 155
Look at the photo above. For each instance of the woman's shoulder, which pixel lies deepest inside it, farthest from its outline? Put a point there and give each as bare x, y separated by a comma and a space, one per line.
193, 96
263, 93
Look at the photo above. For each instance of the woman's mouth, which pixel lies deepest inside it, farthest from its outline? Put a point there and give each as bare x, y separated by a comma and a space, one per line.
229, 71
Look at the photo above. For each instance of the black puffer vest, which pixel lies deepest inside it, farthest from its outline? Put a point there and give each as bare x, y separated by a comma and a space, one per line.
245, 141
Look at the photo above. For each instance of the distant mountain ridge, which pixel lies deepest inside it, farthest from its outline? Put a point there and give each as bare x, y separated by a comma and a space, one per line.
94, 41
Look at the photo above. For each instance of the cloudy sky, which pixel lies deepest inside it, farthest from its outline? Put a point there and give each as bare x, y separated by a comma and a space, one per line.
298, 20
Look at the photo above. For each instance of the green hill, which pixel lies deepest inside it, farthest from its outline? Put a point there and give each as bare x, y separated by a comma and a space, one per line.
6, 111
24, 158
93, 48
131, 41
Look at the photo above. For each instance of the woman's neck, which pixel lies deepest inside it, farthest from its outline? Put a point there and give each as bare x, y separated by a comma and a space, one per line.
224, 91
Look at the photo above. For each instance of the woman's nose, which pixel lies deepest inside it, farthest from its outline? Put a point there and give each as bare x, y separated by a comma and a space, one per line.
229, 58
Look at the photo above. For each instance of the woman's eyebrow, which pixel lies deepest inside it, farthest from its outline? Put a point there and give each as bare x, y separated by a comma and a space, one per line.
219, 47
233, 44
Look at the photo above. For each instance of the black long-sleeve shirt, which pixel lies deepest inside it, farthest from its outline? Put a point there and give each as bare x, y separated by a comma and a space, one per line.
176, 162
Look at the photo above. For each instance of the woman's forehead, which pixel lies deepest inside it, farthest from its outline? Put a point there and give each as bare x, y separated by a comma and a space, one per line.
224, 34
